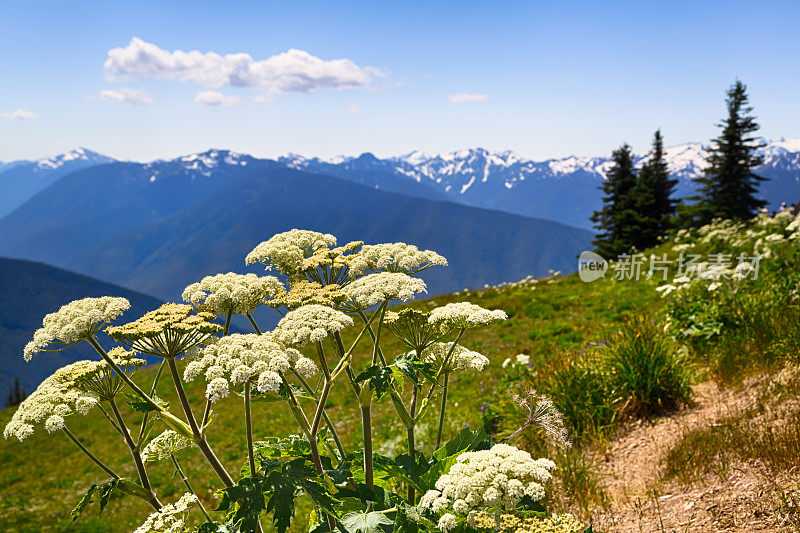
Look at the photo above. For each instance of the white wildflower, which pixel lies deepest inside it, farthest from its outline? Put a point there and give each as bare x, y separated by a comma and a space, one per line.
461, 359
164, 445
232, 293
464, 315
237, 359
373, 289
498, 477
285, 251
51, 402
447, 523
394, 257
75, 322
310, 323
171, 518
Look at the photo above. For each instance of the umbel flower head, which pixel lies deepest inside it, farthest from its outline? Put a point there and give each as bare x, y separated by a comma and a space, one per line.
74, 322
394, 257
286, 251
464, 315
100, 380
232, 293
377, 288
167, 443
461, 358
166, 332
236, 359
53, 400
310, 323
330, 265
303, 292
498, 477
412, 328
171, 518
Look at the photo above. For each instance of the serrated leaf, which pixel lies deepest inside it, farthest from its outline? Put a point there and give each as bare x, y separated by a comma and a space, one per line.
443, 458
104, 491
244, 503
379, 378
410, 365
140, 406
363, 522
385, 468
409, 519
86, 500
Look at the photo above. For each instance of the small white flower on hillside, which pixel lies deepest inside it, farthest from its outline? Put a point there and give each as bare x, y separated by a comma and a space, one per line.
498, 477
394, 257
171, 518
464, 315
75, 322
285, 251
231, 292
310, 323
373, 289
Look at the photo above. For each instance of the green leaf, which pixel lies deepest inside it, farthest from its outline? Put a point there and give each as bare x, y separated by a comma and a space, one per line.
385, 468
86, 500
410, 520
213, 527
409, 365
244, 503
104, 491
140, 406
380, 379
443, 458
364, 522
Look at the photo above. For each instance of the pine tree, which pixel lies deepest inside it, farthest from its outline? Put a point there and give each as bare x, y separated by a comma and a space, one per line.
655, 205
729, 186
617, 218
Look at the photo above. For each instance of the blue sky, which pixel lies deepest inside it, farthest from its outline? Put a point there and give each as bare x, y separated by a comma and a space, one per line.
545, 79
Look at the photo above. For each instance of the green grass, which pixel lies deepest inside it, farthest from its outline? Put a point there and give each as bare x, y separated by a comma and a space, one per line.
45, 476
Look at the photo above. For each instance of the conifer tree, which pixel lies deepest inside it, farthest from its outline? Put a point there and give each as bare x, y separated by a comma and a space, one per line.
615, 221
729, 185
655, 205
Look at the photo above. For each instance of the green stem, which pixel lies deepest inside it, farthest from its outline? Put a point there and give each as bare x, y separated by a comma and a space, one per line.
137, 457
441, 411
199, 438
325, 416
152, 393
366, 429
411, 441
89, 454
248, 422
179, 470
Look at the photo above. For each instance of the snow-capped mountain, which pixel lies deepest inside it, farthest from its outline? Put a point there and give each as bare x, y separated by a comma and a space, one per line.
21, 180
564, 189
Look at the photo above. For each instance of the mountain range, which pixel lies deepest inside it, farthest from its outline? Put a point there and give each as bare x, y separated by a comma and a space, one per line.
565, 189
156, 227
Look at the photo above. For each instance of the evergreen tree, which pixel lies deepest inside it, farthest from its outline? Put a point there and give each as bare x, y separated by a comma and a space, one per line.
655, 206
617, 218
729, 186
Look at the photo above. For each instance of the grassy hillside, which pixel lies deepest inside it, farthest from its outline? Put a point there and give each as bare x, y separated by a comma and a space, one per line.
610, 353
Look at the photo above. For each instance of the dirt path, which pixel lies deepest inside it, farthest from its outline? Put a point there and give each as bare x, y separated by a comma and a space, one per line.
631, 469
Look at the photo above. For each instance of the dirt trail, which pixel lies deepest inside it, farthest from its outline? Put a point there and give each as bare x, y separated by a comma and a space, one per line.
630, 470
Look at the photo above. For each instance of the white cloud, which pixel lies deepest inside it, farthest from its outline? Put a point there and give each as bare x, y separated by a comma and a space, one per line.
354, 109
20, 114
213, 98
464, 98
127, 96
293, 71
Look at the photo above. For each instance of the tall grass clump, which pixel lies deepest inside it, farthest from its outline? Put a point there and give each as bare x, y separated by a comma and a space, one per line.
648, 372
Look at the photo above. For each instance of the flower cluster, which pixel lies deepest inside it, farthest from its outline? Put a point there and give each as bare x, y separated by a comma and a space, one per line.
54, 399
99, 378
171, 518
373, 289
412, 328
338, 258
509, 523
394, 257
286, 251
232, 293
498, 477
304, 292
75, 322
460, 359
166, 331
164, 445
310, 323
464, 315
237, 359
